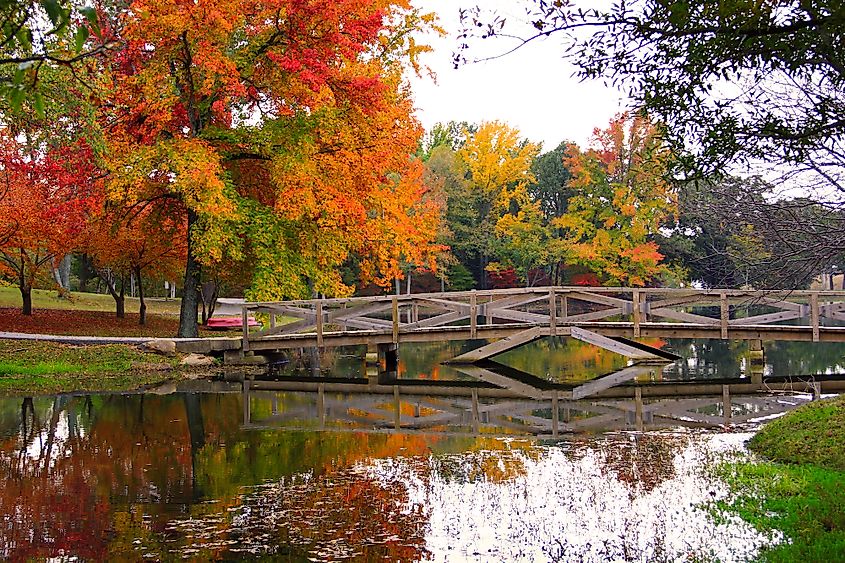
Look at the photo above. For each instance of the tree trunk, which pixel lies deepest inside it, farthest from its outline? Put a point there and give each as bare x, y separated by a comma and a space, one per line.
26, 297
86, 273
25, 287
190, 289
210, 293
120, 300
142, 308
110, 280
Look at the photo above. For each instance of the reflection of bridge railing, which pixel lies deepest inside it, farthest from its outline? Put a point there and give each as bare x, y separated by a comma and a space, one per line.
476, 415
493, 314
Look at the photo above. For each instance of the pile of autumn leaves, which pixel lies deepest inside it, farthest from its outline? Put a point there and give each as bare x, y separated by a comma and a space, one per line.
267, 141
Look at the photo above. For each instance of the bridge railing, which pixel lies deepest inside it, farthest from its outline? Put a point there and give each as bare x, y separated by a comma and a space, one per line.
478, 312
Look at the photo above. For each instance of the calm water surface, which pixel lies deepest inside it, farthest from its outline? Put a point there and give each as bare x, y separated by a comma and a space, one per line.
223, 474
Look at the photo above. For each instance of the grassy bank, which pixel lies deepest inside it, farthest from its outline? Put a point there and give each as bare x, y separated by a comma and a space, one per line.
10, 297
35, 368
798, 489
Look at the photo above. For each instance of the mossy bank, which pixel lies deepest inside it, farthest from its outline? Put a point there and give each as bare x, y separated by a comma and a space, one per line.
797, 487
38, 368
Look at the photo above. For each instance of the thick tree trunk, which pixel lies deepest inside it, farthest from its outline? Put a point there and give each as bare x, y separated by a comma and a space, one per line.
190, 289
142, 308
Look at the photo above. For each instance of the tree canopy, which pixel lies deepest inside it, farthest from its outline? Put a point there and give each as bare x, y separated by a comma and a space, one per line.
735, 81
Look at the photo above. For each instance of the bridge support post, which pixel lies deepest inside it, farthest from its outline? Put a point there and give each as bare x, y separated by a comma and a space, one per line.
726, 403
638, 408
635, 311
757, 361
371, 364
389, 353
246, 384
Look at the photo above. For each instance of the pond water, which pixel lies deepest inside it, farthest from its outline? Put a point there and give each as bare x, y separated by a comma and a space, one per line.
226, 471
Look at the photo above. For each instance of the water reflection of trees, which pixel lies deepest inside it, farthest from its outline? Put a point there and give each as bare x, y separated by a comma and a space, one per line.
101, 477
805, 358
707, 359
162, 477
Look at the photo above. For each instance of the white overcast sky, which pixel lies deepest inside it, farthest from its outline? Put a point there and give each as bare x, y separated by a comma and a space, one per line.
531, 89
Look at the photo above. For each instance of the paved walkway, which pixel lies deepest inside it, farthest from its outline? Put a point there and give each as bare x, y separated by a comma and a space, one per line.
96, 340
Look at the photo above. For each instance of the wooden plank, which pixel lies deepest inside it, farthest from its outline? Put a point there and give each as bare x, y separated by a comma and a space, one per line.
601, 299
767, 318
366, 323
499, 346
694, 299
518, 300
683, 316
289, 328
439, 320
447, 305
608, 381
517, 387
635, 304
781, 304
521, 316
245, 321
611, 345
319, 314
473, 315
359, 311
814, 315
594, 316
830, 309
394, 304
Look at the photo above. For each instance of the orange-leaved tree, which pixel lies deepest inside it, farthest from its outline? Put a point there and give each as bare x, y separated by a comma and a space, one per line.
138, 242
622, 197
307, 91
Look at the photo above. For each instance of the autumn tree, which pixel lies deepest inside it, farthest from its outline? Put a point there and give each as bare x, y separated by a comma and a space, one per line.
621, 199
523, 236
134, 242
44, 209
741, 85
497, 161
734, 81
308, 92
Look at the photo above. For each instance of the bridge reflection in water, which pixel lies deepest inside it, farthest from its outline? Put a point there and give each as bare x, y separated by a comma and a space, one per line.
503, 402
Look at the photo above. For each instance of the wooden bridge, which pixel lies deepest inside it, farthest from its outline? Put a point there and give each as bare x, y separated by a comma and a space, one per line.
517, 316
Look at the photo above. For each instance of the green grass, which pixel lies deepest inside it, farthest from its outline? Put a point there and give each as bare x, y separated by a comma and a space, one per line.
41, 368
814, 433
805, 502
48, 299
799, 488
32, 368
